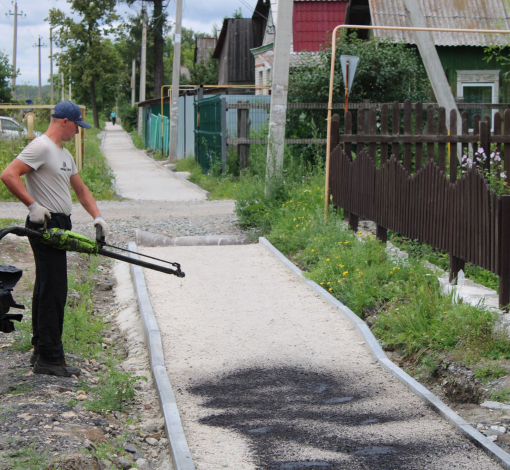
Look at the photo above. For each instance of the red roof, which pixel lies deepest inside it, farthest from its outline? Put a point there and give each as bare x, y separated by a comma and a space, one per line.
313, 22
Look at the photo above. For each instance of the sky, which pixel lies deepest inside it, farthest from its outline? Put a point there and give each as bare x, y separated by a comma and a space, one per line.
198, 15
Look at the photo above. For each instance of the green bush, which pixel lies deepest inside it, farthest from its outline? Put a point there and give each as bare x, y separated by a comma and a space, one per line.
128, 117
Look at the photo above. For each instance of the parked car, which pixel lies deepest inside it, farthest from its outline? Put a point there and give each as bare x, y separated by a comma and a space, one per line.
11, 129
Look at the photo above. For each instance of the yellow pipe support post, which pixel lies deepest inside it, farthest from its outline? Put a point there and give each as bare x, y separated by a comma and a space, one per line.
332, 77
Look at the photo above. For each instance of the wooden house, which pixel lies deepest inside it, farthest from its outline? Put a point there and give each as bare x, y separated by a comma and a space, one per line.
236, 63
204, 47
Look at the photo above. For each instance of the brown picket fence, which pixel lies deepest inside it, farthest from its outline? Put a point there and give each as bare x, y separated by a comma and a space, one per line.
405, 188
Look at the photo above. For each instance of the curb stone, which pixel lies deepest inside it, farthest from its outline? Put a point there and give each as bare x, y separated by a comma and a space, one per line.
460, 425
153, 239
179, 449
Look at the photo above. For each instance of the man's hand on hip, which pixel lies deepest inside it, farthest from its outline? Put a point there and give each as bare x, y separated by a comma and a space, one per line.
38, 213
102, 223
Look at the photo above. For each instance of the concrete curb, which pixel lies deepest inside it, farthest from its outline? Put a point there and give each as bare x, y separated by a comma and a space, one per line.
154, 239
462, 426
179, 449
184, 180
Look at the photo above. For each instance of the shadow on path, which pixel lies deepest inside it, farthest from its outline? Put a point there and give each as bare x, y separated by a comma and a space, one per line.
287, 413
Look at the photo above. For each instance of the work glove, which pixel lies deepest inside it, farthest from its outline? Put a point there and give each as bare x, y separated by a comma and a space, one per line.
38, 213
102, 223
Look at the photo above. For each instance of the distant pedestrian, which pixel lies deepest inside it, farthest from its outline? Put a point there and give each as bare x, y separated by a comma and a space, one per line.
113, 115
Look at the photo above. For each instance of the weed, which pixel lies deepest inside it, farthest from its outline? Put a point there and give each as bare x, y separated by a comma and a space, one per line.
490, 372
21, 388
115, 391
502, 395
27, 457
4, 223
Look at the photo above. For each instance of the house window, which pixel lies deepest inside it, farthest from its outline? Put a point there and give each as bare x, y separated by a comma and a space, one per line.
478, 86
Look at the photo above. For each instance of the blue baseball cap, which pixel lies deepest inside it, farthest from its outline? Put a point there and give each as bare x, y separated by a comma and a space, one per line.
71, 111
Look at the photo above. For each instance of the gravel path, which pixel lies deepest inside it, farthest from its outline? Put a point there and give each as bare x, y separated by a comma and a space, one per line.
268, 376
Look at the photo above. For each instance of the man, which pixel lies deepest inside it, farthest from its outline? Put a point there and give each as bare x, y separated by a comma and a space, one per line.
113, 115
50, 171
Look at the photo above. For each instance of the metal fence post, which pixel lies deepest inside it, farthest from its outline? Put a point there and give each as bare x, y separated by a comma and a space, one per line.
243, 132
504, 253
224, 135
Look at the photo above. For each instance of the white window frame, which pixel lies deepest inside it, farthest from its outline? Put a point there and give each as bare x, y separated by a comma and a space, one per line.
480, 78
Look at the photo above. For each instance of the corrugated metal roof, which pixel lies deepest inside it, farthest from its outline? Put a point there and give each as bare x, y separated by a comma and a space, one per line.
459, 14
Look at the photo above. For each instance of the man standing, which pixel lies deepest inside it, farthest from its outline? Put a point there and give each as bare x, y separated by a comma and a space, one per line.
50, 171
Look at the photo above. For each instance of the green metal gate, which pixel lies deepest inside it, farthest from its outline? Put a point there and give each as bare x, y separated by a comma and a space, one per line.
210, 133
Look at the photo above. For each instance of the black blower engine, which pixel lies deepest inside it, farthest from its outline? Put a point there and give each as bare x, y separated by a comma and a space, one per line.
9, 277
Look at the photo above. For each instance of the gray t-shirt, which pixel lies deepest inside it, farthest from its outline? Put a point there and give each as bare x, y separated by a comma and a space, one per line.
49, 182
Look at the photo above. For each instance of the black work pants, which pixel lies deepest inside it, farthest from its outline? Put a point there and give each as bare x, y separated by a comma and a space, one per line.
50, 291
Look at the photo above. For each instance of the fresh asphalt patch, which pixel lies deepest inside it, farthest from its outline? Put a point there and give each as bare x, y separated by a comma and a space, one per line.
282, 408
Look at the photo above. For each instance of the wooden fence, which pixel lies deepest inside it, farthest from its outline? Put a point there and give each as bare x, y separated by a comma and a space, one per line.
407, 188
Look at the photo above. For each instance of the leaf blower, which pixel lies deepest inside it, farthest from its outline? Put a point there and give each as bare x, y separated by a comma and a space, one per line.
68, 241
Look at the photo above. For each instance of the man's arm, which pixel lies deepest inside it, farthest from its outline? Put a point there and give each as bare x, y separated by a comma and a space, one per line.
84, 196
11, 177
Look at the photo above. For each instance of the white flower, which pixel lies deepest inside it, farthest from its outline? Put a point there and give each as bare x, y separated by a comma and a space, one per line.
503, 175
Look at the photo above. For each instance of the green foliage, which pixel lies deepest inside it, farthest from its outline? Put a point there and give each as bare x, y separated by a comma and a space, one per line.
219, 187
114, 392
202, 74
89, 57
9, 150
5, 77
386, 72
441, 259
494, 175
502, 395
4, 223
427, 320
96, 173
82, 330
490, 372
137, 140
129, 116
26, 457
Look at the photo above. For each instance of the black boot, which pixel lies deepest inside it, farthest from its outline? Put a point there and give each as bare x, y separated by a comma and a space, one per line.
57, 367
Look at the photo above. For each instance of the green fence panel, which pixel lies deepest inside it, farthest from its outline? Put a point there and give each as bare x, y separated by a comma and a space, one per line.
155, 140
208, 132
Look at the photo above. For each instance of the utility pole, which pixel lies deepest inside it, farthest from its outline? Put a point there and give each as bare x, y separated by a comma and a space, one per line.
62, 86
39, 50
15, 14
142, 71
70, 86
176, 73
279, 88
133, 82
432, 63
52, 94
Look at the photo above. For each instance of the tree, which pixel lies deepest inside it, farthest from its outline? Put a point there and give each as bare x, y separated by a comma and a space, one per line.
90, 58
5, 76
386, 72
